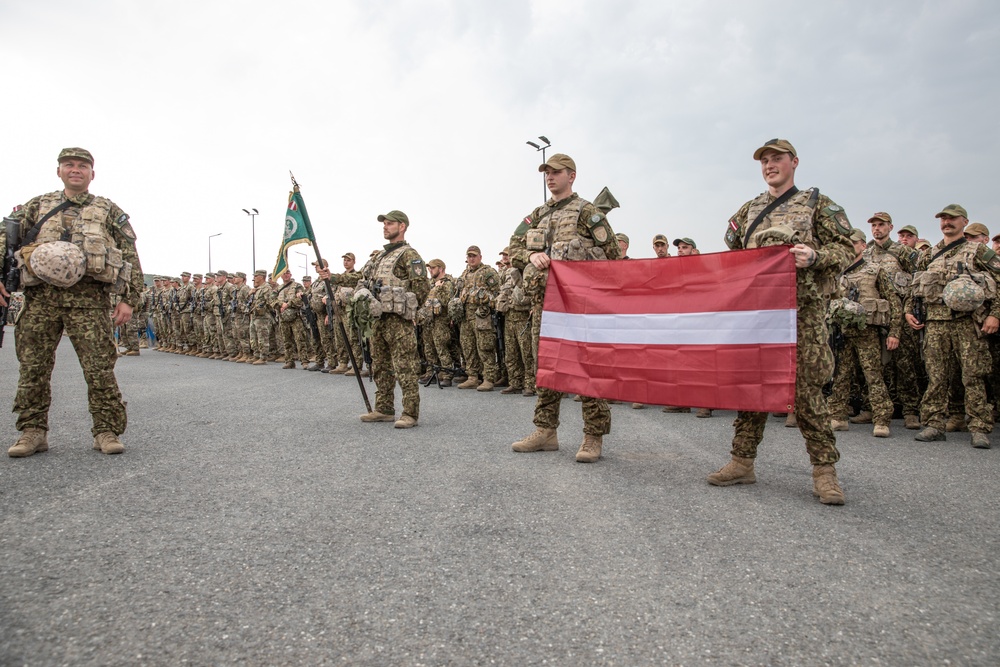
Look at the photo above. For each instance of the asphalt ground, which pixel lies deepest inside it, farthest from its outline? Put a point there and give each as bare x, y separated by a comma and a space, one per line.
253, 520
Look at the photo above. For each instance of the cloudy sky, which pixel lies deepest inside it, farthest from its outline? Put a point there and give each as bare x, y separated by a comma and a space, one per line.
196, 110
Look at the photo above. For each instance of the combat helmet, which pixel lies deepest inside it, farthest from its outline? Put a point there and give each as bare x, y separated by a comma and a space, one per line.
963, 294
59, 263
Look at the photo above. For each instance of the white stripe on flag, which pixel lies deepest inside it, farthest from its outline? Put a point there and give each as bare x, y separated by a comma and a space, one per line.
734, 327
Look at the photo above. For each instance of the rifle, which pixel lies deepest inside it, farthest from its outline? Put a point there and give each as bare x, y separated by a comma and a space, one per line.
920, 315
498, 324
310, 316
10, 275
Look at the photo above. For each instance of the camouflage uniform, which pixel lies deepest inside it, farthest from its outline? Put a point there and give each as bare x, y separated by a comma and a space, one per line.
883, 308
515, 305
136, 325
227, 337
955, 334
819, 223
326, 351
480, 286
241, 319
553, 228
262, 302
293, 330
212, 321
394, 338
81, 311
185, 323
437, 326
198, 319
345, 283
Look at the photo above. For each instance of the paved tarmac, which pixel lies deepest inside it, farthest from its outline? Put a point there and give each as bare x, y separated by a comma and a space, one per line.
253, 520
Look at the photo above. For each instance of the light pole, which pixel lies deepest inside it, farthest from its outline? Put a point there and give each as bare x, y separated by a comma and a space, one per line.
305, 261
212, 236
253, 235
545, 195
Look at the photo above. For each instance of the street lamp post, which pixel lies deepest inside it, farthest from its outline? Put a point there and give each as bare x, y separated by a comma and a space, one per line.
253, 235
212, 236
305, 261
545, 195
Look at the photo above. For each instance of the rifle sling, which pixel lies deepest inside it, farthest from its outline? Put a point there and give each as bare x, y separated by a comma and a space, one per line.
853, 266
788, 194
32, 234
953, 244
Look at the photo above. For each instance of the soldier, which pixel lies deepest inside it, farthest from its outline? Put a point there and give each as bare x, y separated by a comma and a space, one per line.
685, 247
136, 326
436, 323
241, 317
978, 233
996, 243
398, 280
344, 285
312, 352
293, 332
822, 248
261, 306
185, 304
869, 286
515, 306
66, 286
908, 236
623, 244
480, 286
326, 349
197, 316
566, 227
211, 319
957, 284
661, 246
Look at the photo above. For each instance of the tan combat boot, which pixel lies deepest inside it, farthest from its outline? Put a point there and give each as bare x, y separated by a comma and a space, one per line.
840, 425
738, 471
485, 386
541, 440
791, 421
289, 365
956, 423
863, 417
470, 383
638, 406
259, 362
881, 431
32, 440
340, 369
703, 413
108, 443
590, 450
406, 421
376, 416
825, 486
911, 422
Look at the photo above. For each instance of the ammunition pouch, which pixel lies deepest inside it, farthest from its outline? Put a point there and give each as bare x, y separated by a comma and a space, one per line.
876, 312
534, 282
534, 240
930, 286
484, 322
456, 310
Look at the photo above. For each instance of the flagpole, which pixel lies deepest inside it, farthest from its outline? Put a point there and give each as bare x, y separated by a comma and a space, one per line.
329, 295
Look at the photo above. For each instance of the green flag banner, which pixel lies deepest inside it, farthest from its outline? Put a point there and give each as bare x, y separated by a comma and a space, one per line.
298, 229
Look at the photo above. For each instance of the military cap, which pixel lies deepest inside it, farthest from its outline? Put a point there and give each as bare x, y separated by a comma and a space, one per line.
557, 162
858, 235
678, 242
321, 264
374, 252
185, 274
435, 262
75, 154
348, 255
995, 238
260, 272
394, 216
660, 238
197, 275
307, 278
923, 243
621, 237
209, 275
910, 229
505, 251
954, 210
222, 273
977, 229
473, 250
780, 145
240, 274
881, 215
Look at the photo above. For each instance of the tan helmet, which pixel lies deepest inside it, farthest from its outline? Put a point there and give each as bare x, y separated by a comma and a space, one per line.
963, 294
59, 263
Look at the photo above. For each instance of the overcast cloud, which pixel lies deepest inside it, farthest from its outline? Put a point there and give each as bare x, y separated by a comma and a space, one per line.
196, 110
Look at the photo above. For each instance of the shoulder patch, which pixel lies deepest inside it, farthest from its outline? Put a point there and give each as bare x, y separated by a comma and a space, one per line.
525, 225
417, 268
732, 242
125, 227
834, 208
837, 214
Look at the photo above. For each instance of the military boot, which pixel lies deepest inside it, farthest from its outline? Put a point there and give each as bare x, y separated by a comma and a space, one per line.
131, 353
791, 421
485, 386
930, 434
259, 362
289, 364
406, 421
529, 391
956, 423
541, 440
444, 380
108, 443
470, 383
376, 416
881, 431
703, 413
980, 441
349, 373
426, 377
911, 422
638, 406
863, 417
590, 450
340, 369
840, 425
32, 440
825, 485
738, 471
675, 409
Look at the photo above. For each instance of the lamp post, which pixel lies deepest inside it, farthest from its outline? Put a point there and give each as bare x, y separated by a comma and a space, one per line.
212, 236
545, 195
305, 261
253, 235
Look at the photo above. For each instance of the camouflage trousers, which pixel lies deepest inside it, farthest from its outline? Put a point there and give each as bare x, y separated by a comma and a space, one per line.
437, 340
479, 345
296, 345
261, 332
904, 372
183, 328
241, 333
470, 348
814, 367
211, 332
326, 351
198, 330
394, 359
944, 340
132, 331
36, 337
865, 349
343, 357
519, 357
230, 344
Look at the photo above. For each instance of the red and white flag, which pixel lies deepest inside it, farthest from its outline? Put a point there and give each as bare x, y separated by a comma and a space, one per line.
707, 331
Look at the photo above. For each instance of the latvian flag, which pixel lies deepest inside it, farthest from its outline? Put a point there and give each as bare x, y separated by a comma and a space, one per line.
706, 331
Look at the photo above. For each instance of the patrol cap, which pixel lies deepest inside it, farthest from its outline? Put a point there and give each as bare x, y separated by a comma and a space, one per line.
348, 255
505, 251
923, 243
780, 145
321, 264
75, 154
221, 273
185, 274
260, 272
858, 235
209, 275
678, 242
881, 215
995, 238
557, 162
977, 229
622, 237
473, 250
240, 274
307, 279
394, 216
197, 275
954, 210
910, 229
435, 262
660, 238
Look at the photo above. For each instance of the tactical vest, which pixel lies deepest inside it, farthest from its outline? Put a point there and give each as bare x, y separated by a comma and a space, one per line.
512, 292
865, 278
930, 283
87, 231
886, 260
796, 213
394, 295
